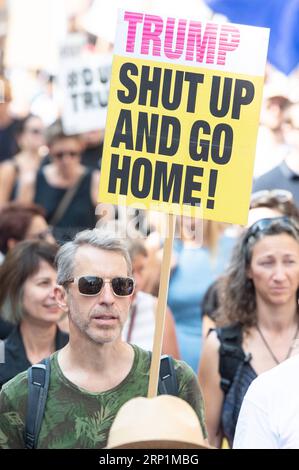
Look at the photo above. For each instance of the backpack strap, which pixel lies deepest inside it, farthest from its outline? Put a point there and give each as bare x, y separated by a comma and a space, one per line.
231, 354
38, 385
168, 384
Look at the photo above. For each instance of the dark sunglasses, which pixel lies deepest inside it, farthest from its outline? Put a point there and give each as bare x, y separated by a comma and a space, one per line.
280, 195
71, 153
34, 131
93, 285
262, 225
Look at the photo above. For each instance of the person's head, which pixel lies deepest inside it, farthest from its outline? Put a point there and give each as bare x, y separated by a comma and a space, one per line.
95, 283
264, 267
27, 279
138, 254
275, 102
20, 221
65, 150
273, 110
31, 134
271, 203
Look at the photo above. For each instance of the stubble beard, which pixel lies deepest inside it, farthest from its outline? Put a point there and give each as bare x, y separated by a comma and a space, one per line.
100, 334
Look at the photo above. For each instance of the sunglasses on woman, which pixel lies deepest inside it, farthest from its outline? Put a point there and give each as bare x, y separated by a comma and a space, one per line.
265, 195
63, 153
93, 285
264, 225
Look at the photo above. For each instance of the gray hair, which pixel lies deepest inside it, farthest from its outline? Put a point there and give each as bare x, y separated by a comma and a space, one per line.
99, 238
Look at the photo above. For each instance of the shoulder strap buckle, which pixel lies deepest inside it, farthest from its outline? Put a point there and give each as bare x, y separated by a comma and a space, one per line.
168, 384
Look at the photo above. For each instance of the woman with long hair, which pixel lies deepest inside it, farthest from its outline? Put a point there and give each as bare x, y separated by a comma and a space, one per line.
27, 280
259, 306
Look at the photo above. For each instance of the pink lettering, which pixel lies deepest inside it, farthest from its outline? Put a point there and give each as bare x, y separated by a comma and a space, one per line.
171, 51
175, 38
228, 41
149, 34
205, 45
133, 19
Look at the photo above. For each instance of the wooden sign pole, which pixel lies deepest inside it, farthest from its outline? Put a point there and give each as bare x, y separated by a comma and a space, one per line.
161, 307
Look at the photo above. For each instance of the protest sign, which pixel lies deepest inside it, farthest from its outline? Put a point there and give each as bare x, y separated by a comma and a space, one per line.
83, 79
182, 125
183, 116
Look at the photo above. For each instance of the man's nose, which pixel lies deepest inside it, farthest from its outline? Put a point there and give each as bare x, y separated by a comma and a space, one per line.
107, 296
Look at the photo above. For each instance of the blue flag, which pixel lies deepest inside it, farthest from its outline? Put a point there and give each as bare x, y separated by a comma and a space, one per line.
281, 16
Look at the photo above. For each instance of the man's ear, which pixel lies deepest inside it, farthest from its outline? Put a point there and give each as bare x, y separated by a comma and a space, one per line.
61, 297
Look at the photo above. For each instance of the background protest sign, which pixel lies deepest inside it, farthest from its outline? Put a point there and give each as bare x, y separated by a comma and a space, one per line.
84, 80
183, 116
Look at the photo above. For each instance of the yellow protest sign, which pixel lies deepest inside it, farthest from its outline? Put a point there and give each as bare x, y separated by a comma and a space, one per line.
183, 116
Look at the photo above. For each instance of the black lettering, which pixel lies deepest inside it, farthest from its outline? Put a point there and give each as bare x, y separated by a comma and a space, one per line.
194, 79
141, 165
104, 73
172, 183
144, 132
72, 79
239, 98
191, 185
204, 144
74, 97
128, 83
102, 98
88, 101
167, 102
226, 96
167, 122
150, 85
219, 131
123, 131
121, 174
87, 77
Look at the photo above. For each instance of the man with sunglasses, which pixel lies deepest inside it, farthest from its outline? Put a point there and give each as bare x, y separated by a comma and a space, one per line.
96, 373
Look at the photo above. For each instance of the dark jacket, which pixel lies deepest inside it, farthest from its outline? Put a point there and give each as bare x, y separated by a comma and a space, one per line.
5, 328
15, 357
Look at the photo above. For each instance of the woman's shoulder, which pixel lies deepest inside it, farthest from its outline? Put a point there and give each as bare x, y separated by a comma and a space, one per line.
9, 167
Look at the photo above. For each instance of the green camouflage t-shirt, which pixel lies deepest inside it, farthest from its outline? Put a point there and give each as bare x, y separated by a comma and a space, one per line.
75, 418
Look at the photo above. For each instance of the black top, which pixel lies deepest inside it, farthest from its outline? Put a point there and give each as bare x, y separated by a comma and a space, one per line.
79, 215
16, 360
236, 375
280, 177
92, 157
8, 141
5, 328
